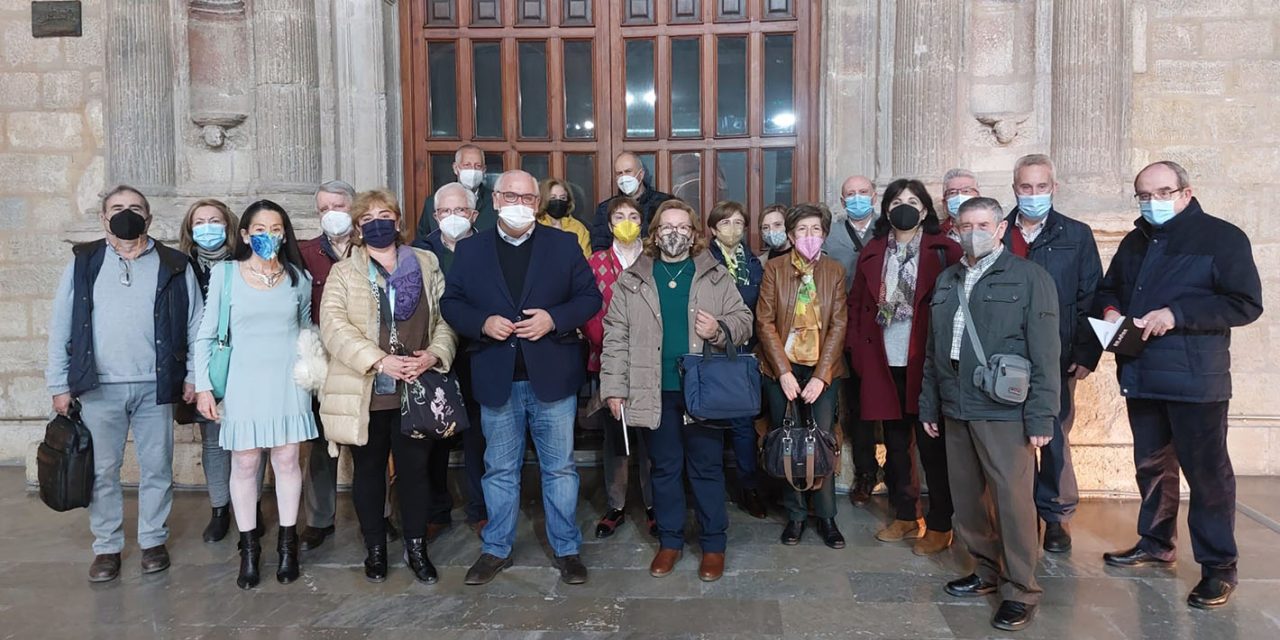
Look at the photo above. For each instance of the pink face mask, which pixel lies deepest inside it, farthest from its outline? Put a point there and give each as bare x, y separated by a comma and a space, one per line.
810, 247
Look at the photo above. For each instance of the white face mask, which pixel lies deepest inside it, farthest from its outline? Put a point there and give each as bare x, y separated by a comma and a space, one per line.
517, 216
336, 223
455, 226
470, 178
628, 184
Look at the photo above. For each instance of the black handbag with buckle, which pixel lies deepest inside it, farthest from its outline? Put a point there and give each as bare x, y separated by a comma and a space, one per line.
803, 455
64, 462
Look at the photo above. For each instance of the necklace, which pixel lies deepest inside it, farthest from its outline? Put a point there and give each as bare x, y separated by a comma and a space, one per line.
268, 280
671, 280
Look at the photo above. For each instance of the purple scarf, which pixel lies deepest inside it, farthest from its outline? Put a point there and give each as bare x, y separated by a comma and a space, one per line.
407, 282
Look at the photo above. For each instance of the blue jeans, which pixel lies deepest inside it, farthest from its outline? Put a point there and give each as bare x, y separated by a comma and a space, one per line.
551, 425
109, 412
677, 450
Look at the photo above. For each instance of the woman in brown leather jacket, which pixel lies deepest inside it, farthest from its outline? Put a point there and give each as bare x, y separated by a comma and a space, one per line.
800, 322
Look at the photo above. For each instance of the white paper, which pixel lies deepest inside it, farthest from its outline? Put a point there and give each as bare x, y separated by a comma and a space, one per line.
626, 437
1106, 331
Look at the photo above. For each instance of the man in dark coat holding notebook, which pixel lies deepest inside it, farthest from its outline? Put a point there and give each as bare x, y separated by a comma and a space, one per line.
1186, 278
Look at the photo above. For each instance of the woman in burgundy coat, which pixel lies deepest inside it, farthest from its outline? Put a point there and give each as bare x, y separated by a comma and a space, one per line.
888, 326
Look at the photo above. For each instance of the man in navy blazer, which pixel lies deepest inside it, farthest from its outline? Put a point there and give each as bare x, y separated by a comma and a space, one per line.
520, 292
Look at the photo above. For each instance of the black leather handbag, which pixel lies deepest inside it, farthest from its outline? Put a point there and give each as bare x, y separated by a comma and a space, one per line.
803, 455
64, 462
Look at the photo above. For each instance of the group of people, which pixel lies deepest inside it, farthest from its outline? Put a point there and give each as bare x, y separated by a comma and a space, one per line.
882, 318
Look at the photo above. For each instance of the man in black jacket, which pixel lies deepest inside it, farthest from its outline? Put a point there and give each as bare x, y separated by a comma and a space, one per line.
469, 168
633, 182
1187, 278
1066, 249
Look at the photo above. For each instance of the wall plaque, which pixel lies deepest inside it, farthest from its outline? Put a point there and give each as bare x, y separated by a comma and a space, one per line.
60, 19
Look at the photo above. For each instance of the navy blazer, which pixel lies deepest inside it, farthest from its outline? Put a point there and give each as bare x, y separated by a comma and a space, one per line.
559, 282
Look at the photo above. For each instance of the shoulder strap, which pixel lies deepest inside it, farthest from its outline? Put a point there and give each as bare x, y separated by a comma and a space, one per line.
853, 234
942, 258
968, 325
224, 303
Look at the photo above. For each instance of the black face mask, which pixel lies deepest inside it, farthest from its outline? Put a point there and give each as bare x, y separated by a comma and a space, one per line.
127, 224
904, 217
558, 208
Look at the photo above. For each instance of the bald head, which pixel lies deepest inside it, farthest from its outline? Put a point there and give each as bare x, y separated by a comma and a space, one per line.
517, 181
1164, 180
860, 185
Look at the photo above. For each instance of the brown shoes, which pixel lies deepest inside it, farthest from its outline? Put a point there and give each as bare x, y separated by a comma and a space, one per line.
863, 485
712, 567
901, 530
664, 562
155, 559
932, 542
105, 567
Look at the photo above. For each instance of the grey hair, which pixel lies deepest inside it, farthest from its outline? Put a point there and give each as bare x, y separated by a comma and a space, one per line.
457, 155
456, 186
124, 188
1184, 179
514, 173
337, 187
981, 202
1036, 160
958, 173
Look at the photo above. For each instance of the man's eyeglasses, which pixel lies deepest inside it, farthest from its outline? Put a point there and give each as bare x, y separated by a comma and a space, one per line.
1159, 194
951, 193
126, 272
456, 211
511, 197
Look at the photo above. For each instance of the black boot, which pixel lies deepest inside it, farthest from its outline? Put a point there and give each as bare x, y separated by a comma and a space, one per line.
415, 555
250, 555
375, 564
261, 529
287, 546
219, 523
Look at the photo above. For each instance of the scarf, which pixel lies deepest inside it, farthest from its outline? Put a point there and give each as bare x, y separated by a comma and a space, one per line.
896, 301
206, 258
803, 343
406, 280
736, 262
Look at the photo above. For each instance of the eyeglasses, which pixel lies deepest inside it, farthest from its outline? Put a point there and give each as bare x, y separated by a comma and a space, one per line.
456, 211
511, 197
681, 229
1160, 194
951, 193
126, 272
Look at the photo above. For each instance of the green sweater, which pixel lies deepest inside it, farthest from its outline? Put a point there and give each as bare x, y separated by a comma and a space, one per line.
673, 303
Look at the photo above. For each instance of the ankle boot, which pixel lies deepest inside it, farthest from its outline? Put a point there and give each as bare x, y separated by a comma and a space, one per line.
261, 529
375, 564
287, 546
415, 555
219, 523
250, 555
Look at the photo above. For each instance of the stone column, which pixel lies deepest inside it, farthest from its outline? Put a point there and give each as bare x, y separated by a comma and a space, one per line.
287, 106
359, 62
1092, 89
221, 85
928, 40
139, 81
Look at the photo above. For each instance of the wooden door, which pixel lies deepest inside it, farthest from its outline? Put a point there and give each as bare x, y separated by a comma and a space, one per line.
718, 97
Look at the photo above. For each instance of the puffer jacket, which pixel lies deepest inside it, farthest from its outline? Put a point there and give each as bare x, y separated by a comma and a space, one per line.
349, 328
777, 308
631, 361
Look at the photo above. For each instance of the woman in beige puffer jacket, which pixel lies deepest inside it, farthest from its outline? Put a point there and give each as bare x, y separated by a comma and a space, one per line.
672, 299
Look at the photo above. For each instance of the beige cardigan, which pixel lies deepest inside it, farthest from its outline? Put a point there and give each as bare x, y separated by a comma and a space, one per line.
349, 329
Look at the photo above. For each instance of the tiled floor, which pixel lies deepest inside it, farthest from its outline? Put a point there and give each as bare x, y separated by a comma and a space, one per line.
769, 591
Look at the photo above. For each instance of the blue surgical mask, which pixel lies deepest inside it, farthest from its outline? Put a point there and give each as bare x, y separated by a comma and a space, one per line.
266, 245
1035, 207
1157, 212
209, 236
954, 202
858, 206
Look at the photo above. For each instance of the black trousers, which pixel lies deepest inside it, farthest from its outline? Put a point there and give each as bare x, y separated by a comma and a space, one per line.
1191, 435
858, 433
900, 475
472, 442
369, 478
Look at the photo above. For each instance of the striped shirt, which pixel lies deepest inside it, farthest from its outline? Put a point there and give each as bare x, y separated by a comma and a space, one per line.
971, 277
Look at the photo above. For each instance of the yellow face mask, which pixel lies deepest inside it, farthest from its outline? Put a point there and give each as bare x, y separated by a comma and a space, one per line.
626, 231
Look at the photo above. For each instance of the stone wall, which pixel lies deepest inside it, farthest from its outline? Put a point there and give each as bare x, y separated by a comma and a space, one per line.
1105, 86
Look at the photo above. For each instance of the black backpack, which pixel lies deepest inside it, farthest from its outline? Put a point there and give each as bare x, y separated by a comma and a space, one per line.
64, 462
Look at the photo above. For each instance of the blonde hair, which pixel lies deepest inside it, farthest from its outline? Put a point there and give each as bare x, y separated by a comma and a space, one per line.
544, 194
699, 231
368, 200
186, 239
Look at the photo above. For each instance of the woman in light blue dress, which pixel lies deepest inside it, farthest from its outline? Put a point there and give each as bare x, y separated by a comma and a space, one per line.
269, 295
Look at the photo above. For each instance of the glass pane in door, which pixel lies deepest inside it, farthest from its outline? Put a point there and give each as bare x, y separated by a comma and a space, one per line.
533, 89
778, 176
686, 88
686, 178
487, 70
731, 176
537, 164
442, 88
580, 173
494, 165
731, 86
579, 105
779, 83
640, 96
441, 171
